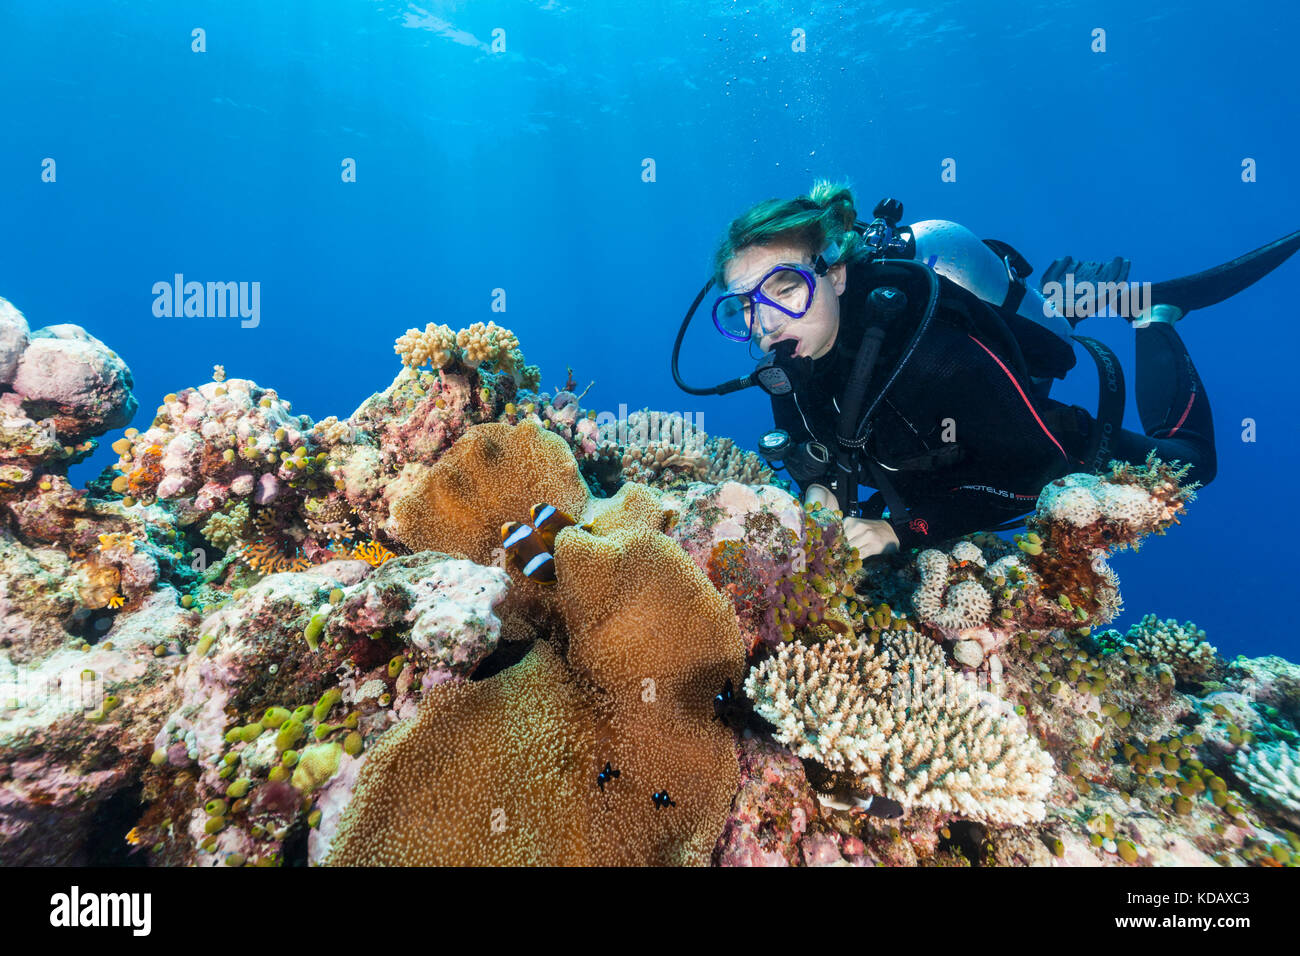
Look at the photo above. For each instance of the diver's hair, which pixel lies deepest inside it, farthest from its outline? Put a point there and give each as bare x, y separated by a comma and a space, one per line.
808, 222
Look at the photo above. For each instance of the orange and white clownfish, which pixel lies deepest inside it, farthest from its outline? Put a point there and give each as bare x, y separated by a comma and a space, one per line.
525, 546
549, 521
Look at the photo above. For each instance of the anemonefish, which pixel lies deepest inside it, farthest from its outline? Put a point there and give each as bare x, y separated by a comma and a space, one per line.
549, 521
530, 545
525, 546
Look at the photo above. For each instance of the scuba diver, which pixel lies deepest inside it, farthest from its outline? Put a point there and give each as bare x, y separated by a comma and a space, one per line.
917, 361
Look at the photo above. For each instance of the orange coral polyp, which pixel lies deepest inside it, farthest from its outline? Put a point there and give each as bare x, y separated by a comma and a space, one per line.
269, 559
371, 552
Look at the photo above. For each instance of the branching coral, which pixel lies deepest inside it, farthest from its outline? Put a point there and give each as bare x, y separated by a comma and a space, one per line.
664, 449
905, 726
488, 344
478, 346
435, 345
227, 528
1272, 771
267, 558
371, 552
1182, 646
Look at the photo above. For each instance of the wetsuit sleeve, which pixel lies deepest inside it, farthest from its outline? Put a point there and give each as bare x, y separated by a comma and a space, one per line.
939, 519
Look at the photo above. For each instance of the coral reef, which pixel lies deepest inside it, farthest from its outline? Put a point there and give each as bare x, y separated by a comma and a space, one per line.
1182, 646
263, 640
772, 811
665, 450
787, 571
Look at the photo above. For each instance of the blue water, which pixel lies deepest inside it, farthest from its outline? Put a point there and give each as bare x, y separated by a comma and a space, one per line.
522, 170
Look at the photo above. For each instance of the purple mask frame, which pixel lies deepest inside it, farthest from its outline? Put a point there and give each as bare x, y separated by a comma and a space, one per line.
756, 296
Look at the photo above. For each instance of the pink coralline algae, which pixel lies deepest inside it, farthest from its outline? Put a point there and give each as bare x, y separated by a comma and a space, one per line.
772, 810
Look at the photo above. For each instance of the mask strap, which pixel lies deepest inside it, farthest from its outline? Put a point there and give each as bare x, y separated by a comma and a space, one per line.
829, 256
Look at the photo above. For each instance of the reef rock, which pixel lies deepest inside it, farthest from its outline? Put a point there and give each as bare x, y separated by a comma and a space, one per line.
72, 377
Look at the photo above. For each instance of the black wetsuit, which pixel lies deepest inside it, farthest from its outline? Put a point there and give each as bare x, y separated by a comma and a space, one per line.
961, 435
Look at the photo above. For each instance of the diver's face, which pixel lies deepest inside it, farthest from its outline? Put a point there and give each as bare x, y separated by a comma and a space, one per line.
815, 332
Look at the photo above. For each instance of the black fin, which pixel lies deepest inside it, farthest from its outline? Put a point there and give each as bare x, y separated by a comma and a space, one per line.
1204, 289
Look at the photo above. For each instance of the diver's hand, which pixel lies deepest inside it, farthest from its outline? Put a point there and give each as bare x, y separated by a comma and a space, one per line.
870, 536
819, 495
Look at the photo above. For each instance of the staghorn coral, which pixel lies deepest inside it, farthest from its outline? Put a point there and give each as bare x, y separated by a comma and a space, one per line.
905, 726
1272, 770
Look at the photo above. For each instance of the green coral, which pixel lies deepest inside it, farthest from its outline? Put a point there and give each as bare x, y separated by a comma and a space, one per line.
229, 527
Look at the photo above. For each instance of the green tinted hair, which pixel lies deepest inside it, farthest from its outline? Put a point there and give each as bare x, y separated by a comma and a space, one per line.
808, 222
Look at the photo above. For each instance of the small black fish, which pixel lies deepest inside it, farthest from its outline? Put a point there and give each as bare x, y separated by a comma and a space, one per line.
661, 800
734, 710
606, 776
883, 807
723, 700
